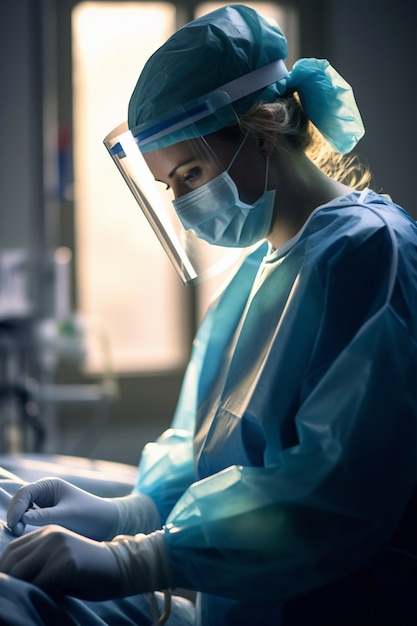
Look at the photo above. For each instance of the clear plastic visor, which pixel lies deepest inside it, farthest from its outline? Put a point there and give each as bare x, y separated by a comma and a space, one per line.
155, 179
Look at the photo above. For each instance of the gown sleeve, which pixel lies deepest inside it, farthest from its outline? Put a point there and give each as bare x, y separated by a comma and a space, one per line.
326, 505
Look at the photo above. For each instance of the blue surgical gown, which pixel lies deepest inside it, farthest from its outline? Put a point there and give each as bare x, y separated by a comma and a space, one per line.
292, 454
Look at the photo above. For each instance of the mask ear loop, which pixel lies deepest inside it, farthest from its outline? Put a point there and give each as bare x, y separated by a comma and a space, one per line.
237, 152
267, 162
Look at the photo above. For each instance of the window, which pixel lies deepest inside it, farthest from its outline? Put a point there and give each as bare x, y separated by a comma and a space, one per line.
124, 280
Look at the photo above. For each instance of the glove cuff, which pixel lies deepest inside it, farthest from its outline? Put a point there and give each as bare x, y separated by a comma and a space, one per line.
143, 562
135, 513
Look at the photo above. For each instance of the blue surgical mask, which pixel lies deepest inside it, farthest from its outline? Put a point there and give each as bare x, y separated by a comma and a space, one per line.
216, 213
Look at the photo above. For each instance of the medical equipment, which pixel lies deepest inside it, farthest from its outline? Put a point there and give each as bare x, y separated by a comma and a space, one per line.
32, 348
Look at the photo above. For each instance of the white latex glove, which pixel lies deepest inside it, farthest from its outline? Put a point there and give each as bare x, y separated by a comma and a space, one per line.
60, 561
143, 562
55, 501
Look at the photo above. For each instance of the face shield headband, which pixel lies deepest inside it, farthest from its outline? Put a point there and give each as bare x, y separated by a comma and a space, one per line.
206, 114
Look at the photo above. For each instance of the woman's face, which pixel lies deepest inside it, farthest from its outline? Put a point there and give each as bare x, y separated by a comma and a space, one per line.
190, 164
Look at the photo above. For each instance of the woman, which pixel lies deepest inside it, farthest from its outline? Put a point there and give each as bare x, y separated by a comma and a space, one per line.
283, 491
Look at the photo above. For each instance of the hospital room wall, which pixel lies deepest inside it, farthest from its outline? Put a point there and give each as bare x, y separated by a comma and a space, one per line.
28, 118
371, 42
21, 171
374, 42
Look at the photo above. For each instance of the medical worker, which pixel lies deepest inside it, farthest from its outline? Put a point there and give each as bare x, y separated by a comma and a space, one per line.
283, 493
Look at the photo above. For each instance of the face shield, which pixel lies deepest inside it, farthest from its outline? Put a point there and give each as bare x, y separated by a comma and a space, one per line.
172, 159
154, 179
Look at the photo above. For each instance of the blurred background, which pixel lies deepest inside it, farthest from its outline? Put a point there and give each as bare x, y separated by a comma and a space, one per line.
95, 326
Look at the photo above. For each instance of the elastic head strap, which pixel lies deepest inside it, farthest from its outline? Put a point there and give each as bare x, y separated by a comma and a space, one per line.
215, 100
251, 82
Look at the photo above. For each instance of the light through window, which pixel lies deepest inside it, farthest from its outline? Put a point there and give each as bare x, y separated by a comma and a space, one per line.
124, 279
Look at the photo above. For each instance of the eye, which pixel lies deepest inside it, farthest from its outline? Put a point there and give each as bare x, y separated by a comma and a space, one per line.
192, 176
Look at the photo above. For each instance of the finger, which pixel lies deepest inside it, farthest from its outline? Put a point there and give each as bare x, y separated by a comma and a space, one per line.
40, 517
18, 529
20, 503
25, 566
41, 557
41, 492
15, 554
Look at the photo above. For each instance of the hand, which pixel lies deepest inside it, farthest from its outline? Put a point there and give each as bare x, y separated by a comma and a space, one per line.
55, 501
60, 561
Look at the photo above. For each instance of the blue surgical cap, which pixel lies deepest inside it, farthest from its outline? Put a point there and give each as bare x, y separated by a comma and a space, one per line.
215, 49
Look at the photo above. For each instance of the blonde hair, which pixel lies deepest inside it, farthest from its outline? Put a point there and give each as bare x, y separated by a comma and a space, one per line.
285, 116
